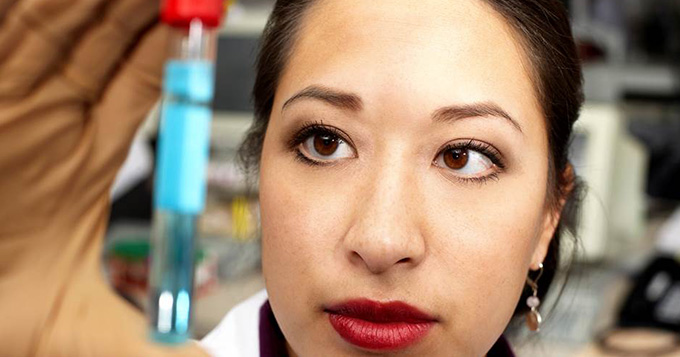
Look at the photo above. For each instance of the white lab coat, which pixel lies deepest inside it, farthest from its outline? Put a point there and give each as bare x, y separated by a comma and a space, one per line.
238, 334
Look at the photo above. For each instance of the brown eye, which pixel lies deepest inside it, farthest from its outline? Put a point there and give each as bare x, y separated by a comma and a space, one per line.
326, 147
466, 161
325, 144
456, 159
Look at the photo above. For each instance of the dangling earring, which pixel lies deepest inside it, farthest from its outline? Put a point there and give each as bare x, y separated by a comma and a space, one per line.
534, 317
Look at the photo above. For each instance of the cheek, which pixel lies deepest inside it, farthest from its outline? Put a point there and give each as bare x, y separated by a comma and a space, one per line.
302, 217
481, 243
299, 217
305, 210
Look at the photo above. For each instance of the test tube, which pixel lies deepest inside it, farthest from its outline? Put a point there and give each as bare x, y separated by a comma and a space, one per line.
181, 161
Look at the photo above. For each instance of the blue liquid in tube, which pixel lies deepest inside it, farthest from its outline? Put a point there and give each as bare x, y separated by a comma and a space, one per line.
179, 193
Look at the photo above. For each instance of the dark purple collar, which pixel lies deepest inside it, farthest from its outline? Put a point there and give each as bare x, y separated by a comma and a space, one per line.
501, 349
273, 344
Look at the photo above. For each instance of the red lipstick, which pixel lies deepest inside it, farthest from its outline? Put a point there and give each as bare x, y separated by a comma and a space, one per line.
379, 326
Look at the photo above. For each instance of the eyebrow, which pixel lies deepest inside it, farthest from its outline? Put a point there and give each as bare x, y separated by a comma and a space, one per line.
486, 109
342, 100
452, 113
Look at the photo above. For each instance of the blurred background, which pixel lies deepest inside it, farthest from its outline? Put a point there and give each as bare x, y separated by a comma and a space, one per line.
625, 273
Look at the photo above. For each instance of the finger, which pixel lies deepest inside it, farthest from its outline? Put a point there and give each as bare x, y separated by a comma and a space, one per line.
11, 32
97, 54
5, 5
130, 96
34, 56
60, 20
57, 20
37, 36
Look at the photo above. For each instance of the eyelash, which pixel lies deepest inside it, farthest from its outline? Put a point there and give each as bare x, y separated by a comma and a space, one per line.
318, 128
309, 129
483, 148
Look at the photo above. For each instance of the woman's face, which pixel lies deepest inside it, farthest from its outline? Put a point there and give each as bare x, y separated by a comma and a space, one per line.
405, 162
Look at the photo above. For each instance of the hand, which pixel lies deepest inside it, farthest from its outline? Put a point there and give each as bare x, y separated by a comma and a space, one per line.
76, 79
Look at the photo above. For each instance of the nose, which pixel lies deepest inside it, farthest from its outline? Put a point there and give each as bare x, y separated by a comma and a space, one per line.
385, 234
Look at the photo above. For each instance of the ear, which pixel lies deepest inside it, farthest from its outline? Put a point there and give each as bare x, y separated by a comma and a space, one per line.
552, 218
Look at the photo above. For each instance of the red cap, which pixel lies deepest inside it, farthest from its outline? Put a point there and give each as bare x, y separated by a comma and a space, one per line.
179, 13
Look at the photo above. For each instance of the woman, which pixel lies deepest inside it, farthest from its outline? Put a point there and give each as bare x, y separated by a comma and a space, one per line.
412, 172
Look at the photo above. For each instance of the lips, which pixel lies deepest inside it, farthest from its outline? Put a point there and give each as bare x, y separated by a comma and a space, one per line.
379, 326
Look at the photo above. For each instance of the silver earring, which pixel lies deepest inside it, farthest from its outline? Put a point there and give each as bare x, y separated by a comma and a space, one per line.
534, 318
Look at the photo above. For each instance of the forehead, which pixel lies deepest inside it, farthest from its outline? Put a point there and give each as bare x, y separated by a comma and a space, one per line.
427, 53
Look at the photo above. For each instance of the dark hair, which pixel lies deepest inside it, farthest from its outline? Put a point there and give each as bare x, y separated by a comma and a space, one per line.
542, 28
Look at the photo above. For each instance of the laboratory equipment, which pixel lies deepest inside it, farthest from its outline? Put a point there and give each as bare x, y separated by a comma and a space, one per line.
183, 150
